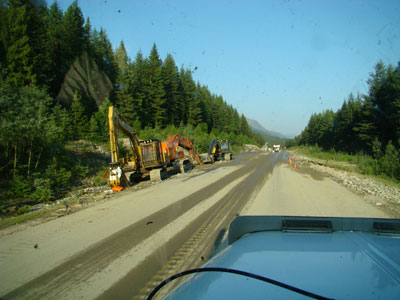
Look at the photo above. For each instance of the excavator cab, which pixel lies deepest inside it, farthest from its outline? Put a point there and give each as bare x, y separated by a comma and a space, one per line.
220, 150
226, 151
151, 153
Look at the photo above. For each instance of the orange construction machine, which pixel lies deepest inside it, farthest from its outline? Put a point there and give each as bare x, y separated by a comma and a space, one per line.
147, 157
185, 145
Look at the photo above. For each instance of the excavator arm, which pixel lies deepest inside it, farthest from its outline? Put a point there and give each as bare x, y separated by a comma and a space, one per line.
116, 123
179, 140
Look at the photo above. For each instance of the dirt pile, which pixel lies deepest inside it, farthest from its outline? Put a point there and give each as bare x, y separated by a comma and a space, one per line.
251, 148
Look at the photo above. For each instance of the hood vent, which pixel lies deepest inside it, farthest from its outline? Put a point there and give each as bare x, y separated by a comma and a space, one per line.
324, 226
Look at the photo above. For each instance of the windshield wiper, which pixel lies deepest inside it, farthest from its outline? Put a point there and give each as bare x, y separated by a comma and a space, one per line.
237, 272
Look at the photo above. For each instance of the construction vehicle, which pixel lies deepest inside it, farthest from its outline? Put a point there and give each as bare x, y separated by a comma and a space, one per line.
184, 151
220, 150
147, 157
276, 148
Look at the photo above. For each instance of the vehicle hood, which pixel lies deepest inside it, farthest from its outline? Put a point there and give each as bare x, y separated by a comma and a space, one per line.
338, 264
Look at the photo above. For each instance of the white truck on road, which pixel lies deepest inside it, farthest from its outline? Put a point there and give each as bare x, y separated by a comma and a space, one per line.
277, 148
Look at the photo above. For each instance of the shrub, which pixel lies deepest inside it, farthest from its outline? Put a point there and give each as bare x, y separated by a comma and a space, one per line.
19, 187
23, 209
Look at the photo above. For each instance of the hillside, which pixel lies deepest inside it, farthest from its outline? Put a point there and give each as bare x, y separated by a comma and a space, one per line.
272, 137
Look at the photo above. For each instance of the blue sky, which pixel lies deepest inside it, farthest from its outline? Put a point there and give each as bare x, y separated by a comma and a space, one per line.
275, 61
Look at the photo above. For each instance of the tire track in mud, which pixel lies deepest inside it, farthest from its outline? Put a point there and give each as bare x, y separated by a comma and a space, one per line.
199, 240
95, 258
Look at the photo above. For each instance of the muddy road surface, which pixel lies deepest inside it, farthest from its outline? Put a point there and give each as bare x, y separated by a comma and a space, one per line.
124, 247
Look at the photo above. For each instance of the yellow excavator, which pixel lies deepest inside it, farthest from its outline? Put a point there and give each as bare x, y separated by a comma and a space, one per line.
220, 150
146, 157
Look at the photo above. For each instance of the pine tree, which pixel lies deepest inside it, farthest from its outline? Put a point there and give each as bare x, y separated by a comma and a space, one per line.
154, 90
78, 118
122, 58
192, 112
205, 105
244, 126
345, 138
101, 50
54, 48
22, 38
366, 128
170, 78
74, 37
384, 94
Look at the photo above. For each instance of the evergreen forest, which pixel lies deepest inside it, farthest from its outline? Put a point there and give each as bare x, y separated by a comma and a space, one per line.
59, 75
366, 126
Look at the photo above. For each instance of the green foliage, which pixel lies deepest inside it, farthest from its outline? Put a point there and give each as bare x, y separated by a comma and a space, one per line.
43, 191
101, 50
390, 162
171, 83
74, 34
98, 125
367, 124
154, 90
22, 38
40, 47
198, 135
78, 118
23, 209
121, 58
19, 187
99, 179
154, 93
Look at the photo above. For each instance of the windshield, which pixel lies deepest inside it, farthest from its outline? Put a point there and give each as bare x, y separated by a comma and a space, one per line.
132, 133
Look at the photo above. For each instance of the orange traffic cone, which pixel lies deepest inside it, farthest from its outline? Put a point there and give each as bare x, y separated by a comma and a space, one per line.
290, 161
295, 166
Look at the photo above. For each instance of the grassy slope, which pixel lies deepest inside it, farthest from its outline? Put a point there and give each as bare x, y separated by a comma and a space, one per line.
342, 161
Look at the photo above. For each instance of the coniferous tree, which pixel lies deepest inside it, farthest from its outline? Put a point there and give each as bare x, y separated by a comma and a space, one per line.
121, 58
131, 97
128, 102
78, 118
154, 90
22, 35
205, 105
244, 126
3, 36
102, 52
191, 107
74, 35
54, 48
384, 95
170, 77
345, 137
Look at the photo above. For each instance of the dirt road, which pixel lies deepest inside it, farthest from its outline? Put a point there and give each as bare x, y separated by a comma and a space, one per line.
304, 192
121, 248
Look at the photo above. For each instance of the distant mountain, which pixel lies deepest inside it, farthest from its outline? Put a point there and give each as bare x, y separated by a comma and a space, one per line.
259, 128
271, 137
